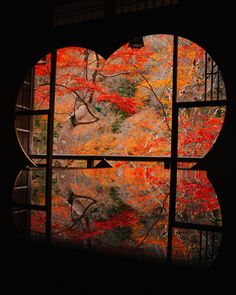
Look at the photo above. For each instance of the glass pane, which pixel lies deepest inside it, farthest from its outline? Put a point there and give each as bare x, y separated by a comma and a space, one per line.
199, 78
118, 210
23, 126
191, 71
38, 225
32, 133
42, 83
195, 248
196, 200
38, 186
39, 136
34, 93
25, 96
21, 192
215, 89
30, 187
198, 130
121, 106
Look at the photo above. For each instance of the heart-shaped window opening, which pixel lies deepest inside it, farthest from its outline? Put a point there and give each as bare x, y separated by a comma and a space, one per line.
123, 105
157, 105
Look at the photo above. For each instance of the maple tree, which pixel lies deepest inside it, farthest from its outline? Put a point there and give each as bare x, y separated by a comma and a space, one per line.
123, 106
103, 209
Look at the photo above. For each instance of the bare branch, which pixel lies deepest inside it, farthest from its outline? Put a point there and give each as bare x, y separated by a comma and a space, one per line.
94, 76
65, 113
80, 218
153, 92
155, 222
81, 100
88, 122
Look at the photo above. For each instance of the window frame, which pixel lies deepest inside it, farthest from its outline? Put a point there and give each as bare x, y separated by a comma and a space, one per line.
169, 162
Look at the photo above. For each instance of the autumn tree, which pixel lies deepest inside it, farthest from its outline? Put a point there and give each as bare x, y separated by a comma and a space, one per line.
127, 212
123, 105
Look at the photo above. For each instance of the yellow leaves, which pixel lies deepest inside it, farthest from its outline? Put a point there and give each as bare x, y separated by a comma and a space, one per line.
145, 125
190, 62
189, 50
182, 83
144, 88
161, 83
185, 76
157, 92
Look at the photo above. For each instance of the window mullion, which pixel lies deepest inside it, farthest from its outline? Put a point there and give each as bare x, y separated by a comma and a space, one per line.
174, 150
49, 157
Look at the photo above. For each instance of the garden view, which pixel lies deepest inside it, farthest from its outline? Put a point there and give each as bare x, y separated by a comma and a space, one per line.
122, 106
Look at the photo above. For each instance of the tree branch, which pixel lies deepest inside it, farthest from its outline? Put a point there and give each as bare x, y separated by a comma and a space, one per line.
154, 223
81, 100
94, 76
80, 218
153, 92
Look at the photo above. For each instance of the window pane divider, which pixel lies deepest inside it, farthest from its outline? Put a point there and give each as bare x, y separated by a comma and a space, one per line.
29, 206
196, 226
174, 151
48, 184
31, 112
192, 104
166, 159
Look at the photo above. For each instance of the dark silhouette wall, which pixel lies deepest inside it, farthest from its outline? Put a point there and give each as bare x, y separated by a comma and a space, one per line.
27, 34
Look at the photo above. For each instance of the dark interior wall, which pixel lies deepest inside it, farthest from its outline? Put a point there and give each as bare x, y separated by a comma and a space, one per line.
26, 35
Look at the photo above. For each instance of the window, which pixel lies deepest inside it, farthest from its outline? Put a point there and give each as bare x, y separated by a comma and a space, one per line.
149, 114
